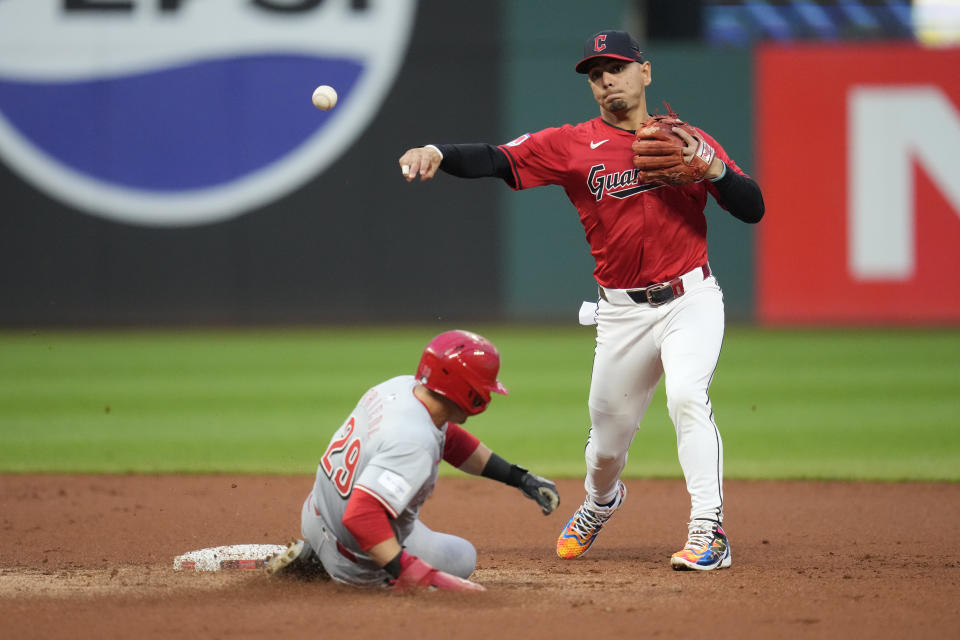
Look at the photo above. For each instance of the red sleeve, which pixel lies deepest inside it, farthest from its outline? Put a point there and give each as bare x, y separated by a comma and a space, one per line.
366, 520
459, 444
537, 159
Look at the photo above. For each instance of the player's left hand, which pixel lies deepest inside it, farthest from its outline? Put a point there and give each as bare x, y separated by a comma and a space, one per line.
542, 491
417, 573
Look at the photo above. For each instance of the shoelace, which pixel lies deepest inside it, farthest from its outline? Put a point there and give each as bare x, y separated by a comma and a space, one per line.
590, 521
699, 536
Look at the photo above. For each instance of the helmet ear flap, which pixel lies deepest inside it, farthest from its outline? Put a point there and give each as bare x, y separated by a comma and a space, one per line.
476, 399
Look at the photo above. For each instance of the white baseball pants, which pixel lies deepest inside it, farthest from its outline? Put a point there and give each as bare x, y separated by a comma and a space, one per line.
636, 345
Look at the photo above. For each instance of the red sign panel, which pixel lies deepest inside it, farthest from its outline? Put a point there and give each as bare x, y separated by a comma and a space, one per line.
859, 159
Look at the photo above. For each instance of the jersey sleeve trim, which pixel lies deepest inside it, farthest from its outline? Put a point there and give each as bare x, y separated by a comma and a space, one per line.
517, 183
386, 505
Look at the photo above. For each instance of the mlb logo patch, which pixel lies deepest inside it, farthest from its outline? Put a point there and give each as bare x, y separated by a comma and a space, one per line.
191, 112
518, 141
394, 484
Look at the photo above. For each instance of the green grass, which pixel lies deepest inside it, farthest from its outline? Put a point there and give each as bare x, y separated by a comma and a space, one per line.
847, 404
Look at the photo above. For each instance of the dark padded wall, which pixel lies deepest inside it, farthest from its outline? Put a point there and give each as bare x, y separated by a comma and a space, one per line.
357, 243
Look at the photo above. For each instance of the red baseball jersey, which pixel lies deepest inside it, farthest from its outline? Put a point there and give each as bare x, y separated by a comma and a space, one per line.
639, 234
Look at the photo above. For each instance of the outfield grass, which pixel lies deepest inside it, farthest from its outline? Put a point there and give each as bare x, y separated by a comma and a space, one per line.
857, 404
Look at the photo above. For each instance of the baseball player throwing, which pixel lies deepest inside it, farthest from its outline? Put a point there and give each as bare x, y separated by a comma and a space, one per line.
360, 523
640, 193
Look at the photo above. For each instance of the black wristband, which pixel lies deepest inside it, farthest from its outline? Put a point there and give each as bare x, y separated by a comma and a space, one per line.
393, 567
499, 469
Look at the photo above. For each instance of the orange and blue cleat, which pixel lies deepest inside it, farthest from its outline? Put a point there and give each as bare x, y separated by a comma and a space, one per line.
582, 529
707, 548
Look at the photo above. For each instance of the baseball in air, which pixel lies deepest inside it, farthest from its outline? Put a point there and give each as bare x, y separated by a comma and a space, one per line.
324, 97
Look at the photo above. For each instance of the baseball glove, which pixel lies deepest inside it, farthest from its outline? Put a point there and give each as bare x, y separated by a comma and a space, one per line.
658, 152
540, 490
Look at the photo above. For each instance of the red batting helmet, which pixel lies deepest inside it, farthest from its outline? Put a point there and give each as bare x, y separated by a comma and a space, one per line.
463, 367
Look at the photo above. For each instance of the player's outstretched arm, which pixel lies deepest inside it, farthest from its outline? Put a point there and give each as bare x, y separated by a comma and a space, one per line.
484, 462
463, 450
468, 160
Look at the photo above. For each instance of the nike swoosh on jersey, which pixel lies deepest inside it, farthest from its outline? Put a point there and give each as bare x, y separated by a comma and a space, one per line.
594, 145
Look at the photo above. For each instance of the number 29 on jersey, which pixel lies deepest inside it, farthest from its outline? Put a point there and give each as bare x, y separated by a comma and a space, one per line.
342, 474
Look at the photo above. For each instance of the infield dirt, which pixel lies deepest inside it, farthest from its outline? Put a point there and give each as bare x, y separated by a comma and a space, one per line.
91, 557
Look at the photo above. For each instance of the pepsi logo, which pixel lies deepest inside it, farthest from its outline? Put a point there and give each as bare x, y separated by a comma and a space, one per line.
187, 112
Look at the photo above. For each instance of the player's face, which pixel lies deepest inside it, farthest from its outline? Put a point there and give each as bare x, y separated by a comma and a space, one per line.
619, 85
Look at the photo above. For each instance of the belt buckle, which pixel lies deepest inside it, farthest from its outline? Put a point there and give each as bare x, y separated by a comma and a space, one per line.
657, 288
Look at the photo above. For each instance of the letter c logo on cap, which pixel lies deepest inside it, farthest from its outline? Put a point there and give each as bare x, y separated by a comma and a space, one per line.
598, 44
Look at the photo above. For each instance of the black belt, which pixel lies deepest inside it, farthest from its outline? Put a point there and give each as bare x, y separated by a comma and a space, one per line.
658, 294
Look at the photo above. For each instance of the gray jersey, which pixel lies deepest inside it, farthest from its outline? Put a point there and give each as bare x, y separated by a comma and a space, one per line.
388, 448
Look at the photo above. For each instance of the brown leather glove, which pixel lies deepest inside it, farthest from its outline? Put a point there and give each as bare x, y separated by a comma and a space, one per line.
658, 152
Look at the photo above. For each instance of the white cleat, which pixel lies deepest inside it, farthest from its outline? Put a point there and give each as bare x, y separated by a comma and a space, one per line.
298, 560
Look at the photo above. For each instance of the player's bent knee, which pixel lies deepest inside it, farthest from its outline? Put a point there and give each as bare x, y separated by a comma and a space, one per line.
456, 556
443, 551
611, 434
601, 458
465, 562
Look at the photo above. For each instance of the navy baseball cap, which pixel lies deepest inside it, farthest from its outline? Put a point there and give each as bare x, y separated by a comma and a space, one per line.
609, 44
